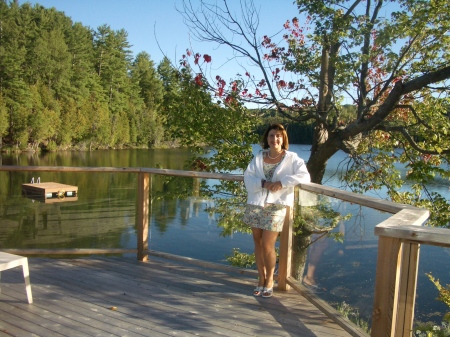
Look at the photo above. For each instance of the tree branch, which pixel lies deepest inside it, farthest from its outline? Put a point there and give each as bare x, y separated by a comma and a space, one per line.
398, 91
404, 132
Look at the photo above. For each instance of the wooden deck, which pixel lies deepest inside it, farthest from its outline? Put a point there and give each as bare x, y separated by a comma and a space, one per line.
110, 296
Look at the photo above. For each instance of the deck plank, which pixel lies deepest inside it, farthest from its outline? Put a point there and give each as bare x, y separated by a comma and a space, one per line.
111, 296
243, 309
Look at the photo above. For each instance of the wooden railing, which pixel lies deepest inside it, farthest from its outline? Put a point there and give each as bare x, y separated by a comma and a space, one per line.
400, 237
399, 242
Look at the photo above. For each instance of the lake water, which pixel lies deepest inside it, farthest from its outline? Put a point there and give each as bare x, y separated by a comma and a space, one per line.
103, 216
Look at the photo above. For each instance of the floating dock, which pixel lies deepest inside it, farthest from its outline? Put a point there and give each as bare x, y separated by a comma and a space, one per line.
50, 192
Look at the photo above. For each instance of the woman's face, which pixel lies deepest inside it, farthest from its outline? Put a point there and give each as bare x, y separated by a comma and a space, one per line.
275, 140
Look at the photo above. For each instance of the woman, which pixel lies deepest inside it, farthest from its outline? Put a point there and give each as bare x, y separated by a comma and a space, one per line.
270, 179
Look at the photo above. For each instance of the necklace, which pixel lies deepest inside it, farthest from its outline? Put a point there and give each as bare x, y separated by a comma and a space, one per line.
268, 155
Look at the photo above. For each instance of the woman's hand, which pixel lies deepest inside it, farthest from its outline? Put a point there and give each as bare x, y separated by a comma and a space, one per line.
273, 187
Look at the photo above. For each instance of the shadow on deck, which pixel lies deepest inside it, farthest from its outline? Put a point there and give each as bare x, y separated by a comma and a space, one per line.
113, 296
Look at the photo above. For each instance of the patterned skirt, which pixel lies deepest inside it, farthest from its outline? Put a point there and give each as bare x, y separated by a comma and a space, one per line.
271, 217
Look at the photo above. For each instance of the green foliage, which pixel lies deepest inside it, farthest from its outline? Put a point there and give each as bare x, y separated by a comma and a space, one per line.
353, 315
3, 117
196, 121
230, 209
318, 218
220, 135
444, 293
148, 123
241, 260
66, 83
431, 329
144, 74
374, 165
415, 131
244, 260
371, 77
51, 146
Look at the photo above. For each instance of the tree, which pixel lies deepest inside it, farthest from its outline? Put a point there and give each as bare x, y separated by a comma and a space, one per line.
83, 79
13, 85
196, 118
171, 92
3, 120
151, 88
64, 84
43, 121
145, 76
388, 58
113, 64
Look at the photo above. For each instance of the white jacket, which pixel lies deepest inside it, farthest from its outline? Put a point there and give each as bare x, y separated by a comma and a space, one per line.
291, 171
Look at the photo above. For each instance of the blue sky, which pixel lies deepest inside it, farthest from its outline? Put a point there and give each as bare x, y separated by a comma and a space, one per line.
150, 21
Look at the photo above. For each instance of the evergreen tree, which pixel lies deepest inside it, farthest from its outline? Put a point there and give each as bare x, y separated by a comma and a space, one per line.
44, 121
149, 129
84, 115
3, 120
150, 85
172, 92
66, 84
13, 86
113, 60
49, 54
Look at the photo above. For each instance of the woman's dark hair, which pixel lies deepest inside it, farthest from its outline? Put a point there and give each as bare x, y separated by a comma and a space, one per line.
277, 127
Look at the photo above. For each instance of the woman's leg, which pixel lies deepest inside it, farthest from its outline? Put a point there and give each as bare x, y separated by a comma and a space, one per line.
257, 240
269, 239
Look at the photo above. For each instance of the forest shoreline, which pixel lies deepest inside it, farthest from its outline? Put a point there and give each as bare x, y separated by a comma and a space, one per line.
9, 149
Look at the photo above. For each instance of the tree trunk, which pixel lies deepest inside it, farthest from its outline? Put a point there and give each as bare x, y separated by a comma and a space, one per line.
323, 148
300, 250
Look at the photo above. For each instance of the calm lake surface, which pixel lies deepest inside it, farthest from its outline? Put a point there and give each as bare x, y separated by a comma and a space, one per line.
103, 216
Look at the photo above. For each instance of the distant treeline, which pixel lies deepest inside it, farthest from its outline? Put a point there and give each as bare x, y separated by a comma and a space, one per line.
297, 133
64, 85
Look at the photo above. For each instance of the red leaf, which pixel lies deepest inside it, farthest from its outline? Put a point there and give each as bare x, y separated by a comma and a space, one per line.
196, 58
207, 58
198, 80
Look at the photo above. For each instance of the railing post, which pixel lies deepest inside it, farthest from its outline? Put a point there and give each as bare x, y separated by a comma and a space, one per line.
285, 259
386, 287
395, 288
407, 292
143, 203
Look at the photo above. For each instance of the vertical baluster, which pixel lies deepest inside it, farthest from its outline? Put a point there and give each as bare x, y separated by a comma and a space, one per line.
285, 259
143, 202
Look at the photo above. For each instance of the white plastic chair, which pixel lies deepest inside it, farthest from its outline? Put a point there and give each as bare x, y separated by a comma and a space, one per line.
8, 261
